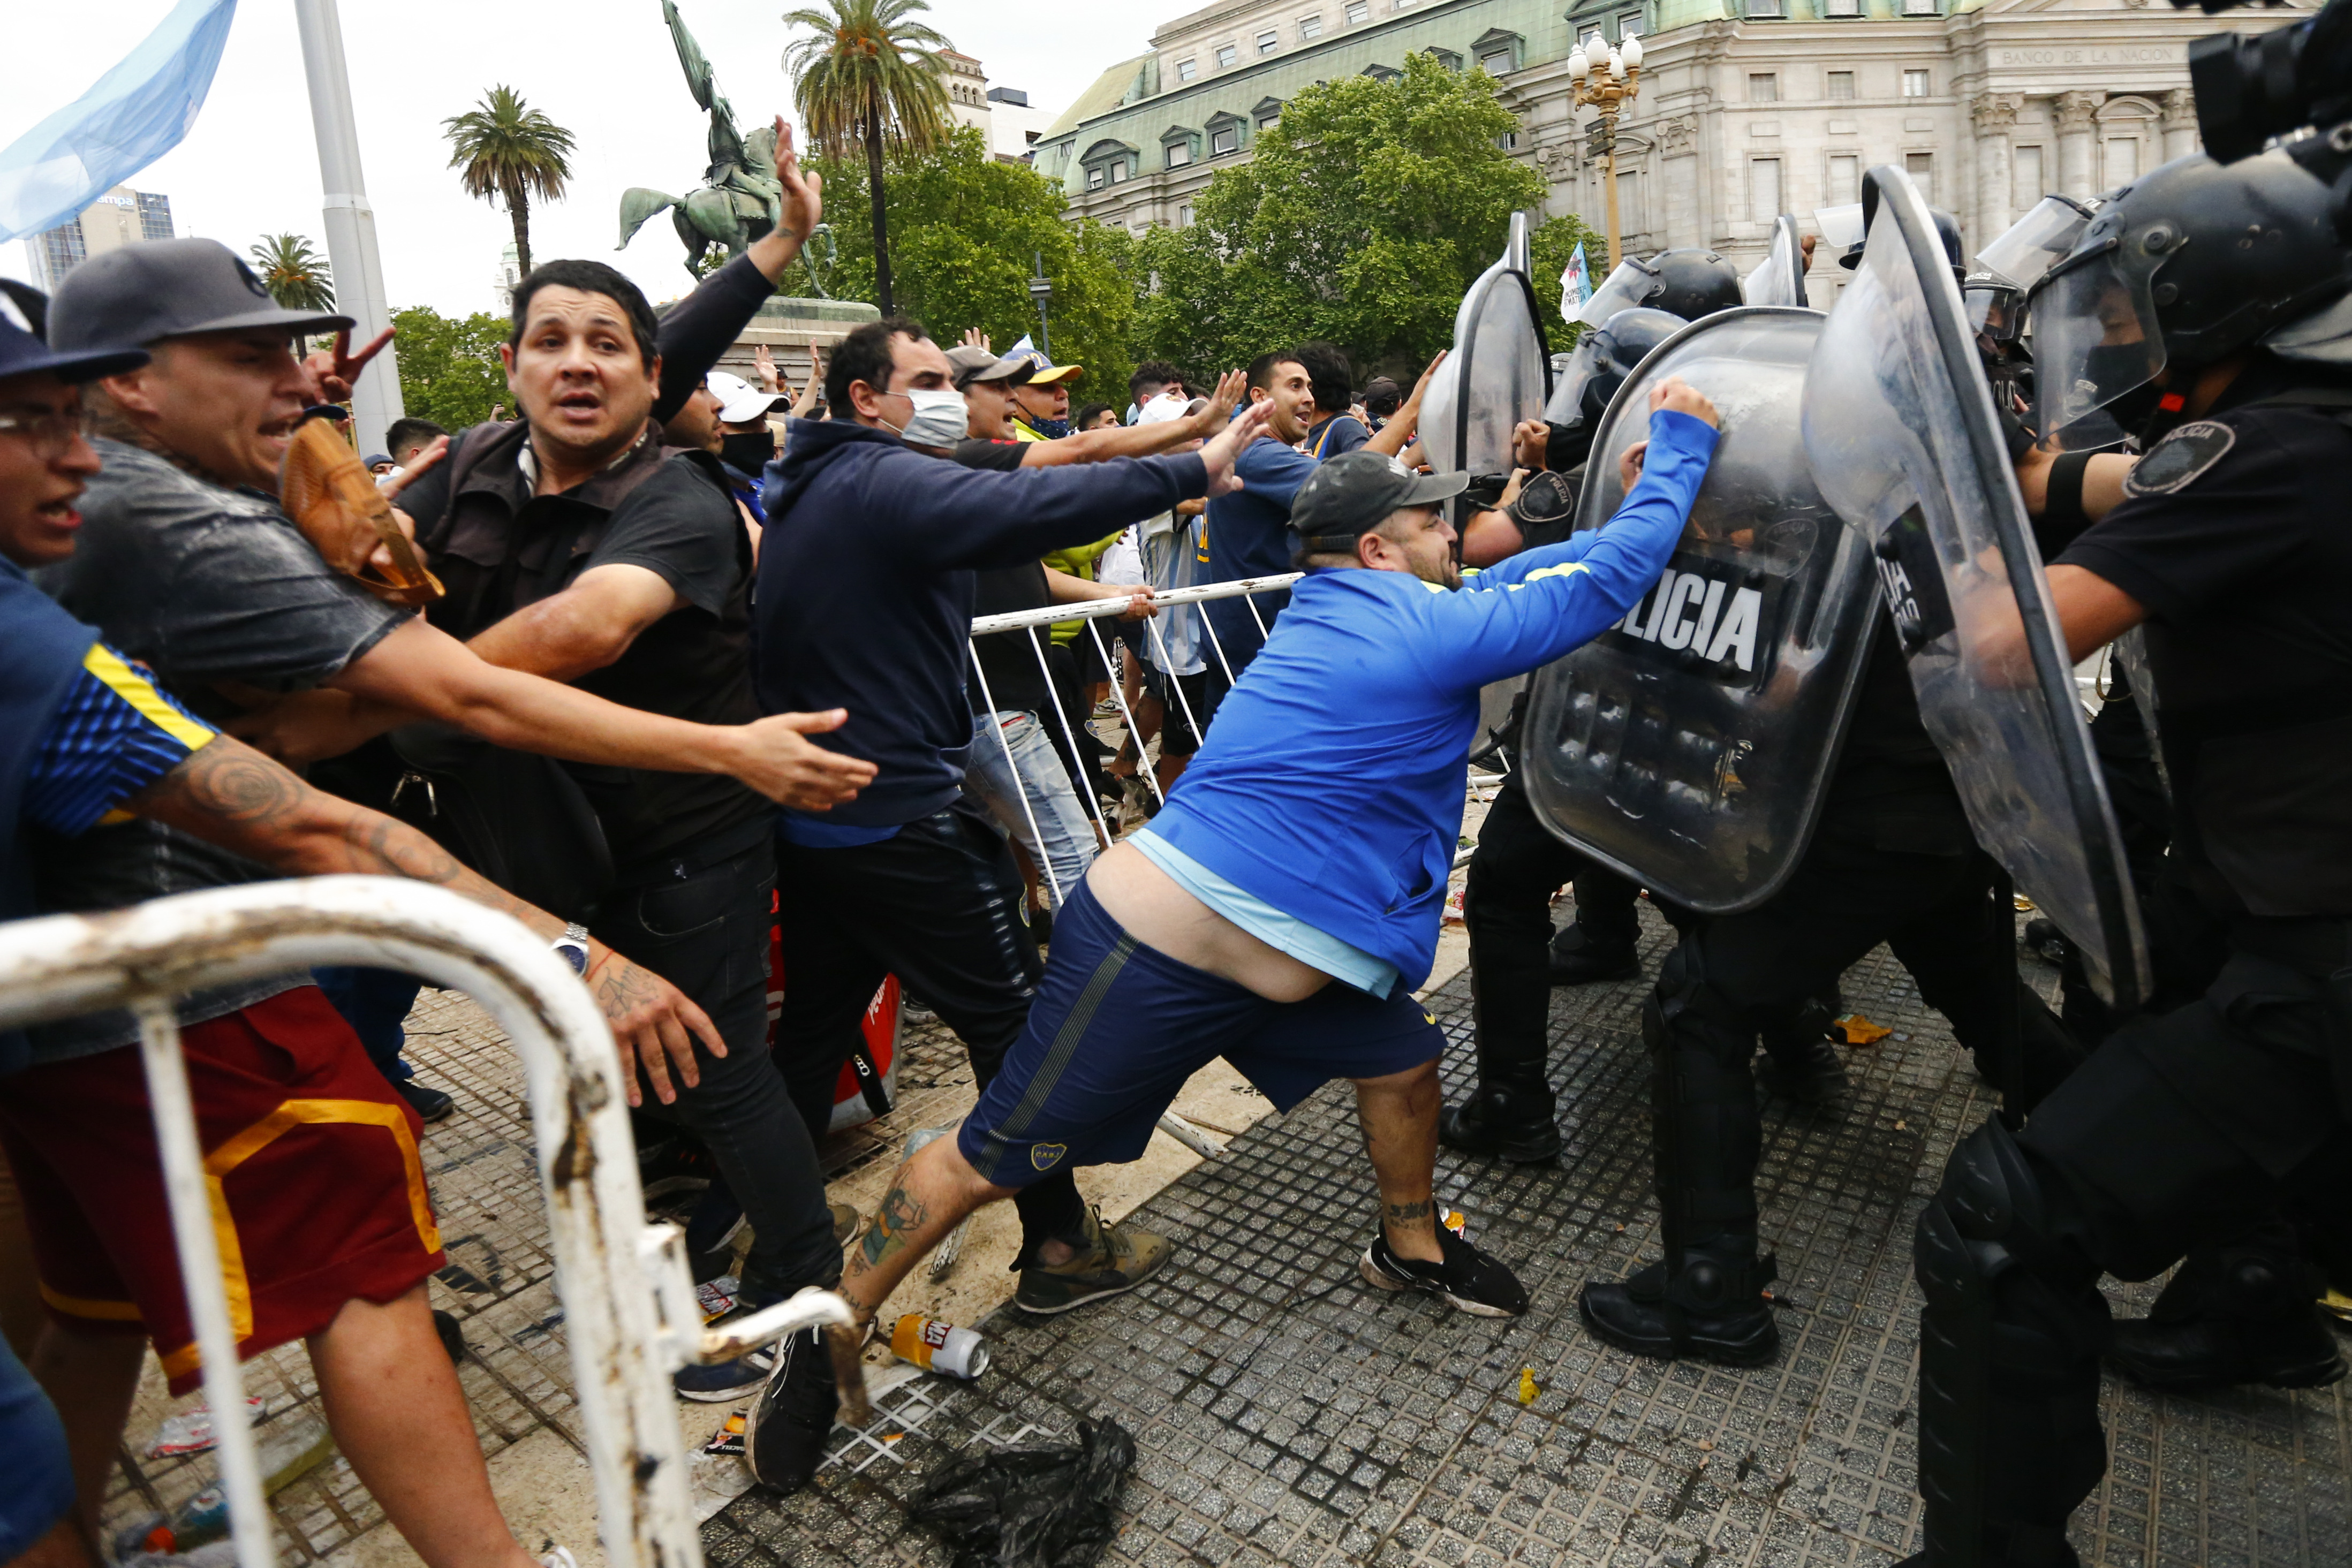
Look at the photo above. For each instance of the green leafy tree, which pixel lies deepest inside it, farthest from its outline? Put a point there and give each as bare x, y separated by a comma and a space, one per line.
449, 369
1360, 219
967, 228
296, 276
869, 76
509, 152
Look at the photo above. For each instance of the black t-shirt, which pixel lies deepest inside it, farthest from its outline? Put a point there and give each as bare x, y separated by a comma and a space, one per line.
498, 549
2233, 535
1015, 680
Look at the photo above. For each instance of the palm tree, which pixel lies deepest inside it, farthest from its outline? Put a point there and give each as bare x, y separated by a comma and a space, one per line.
510, 150
870, 74
296, 276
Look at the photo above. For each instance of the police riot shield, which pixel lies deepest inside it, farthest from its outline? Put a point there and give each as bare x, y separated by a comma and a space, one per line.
1688, 747
1780, 277
1898, 425
1499, 373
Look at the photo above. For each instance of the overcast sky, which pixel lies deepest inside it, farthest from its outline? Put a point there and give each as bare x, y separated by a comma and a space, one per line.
602, 69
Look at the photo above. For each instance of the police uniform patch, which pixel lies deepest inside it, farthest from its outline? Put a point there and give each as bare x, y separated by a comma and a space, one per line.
2177, 460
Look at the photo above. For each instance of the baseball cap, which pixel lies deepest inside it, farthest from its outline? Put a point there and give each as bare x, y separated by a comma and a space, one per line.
1164, 407
1044, 372
741, 403
1354, 493
169, 289
973, 364
23, 348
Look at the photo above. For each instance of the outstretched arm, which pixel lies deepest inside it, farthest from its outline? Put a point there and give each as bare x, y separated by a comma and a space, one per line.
230, 795
1141, 439
1539, 604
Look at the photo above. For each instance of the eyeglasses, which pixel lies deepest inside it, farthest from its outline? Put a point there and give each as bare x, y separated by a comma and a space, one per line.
52, 434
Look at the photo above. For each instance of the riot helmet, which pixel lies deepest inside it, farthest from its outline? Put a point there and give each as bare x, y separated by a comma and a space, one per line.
1689, 281
2186, 266
2035, 243
1618, 345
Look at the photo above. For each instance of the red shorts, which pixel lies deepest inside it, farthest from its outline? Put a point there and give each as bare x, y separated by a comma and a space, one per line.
318, 1190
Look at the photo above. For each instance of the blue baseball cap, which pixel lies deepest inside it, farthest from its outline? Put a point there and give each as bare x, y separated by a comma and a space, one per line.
24, 341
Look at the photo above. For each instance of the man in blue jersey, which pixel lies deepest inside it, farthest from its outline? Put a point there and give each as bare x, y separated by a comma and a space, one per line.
1309, 844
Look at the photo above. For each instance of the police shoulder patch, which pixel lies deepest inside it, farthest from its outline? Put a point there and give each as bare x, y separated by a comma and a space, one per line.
2180, 458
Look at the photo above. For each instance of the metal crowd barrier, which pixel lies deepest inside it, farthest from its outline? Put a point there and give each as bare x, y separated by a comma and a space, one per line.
628, 1302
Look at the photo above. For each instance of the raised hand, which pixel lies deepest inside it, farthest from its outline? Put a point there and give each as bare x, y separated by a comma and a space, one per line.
336, 368
1232, 387
804, 201
1227, 445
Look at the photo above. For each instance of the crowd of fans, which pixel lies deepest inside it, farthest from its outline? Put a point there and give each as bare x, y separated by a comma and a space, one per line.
661, 583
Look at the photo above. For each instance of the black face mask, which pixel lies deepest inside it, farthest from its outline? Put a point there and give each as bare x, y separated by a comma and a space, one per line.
748, 453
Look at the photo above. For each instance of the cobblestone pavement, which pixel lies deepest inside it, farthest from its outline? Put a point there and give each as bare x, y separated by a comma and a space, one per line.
1287, 1413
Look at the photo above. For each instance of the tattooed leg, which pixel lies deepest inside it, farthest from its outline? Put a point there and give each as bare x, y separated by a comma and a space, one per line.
929, 1197
1399, 1113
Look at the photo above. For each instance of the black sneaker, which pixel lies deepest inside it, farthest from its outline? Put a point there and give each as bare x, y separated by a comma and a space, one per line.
1501, 1124
1471, 1281
429, 1103
738, 1379
784, 1433
1578, 959
1715, 1309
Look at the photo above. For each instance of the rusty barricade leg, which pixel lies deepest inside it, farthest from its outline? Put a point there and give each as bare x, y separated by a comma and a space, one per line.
630, 1316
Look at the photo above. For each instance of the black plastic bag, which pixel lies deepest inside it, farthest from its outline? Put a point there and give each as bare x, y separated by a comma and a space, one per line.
1033, 1508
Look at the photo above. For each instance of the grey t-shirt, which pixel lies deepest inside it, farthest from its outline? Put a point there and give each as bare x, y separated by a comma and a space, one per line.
204, 585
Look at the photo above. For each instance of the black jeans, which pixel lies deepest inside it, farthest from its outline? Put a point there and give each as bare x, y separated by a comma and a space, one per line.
1507, 912
704, 928
939, 904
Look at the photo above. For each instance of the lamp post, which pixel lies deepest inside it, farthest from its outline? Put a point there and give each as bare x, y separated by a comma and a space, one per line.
1040, 291
1606, 78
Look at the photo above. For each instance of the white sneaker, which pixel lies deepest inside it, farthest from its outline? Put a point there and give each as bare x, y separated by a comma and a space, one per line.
558, 1557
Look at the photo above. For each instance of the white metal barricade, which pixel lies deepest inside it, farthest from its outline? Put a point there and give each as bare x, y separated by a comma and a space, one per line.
1094, 612
628, 1303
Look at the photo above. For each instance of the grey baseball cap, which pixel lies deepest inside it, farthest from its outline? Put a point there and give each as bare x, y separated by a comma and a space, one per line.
980, 365
1355, 493
168, 288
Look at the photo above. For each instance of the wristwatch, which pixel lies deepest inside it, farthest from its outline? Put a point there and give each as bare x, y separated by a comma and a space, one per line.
573, 946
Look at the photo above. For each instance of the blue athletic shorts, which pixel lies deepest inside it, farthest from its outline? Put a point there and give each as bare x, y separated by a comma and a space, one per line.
1117, 1028
33, 1457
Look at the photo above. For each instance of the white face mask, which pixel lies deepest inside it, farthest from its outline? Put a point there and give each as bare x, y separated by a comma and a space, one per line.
940, 418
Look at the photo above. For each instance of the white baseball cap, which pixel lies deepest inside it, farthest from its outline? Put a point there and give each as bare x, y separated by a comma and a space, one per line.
1164, 407
741, 403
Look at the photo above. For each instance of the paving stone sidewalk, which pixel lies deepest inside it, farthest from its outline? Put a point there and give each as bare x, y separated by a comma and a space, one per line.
1287, 1413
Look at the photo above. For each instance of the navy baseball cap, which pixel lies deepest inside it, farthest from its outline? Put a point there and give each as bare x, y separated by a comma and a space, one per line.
170, 288
1355, 493
24, 346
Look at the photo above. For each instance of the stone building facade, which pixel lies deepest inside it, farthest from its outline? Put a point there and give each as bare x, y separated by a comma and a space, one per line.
1747, 108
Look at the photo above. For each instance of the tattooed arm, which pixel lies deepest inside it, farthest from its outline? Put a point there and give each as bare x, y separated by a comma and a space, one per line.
229, 794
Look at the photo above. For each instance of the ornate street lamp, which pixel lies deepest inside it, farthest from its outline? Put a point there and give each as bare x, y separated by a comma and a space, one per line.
1606, 78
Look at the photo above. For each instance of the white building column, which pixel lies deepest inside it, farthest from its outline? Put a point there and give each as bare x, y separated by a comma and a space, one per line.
2077, 142
2179, 123
1995, 115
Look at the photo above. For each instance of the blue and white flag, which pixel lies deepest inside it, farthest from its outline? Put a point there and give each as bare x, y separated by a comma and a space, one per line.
1575, 285
133, 115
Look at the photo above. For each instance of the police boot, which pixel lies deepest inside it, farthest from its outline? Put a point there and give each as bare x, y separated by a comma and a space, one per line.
2244, 1313
1707, 1301
1580, 955
1800, 1062
1503, 1121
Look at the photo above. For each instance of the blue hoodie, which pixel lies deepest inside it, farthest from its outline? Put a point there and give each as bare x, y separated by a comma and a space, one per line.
865, 588
1331, 785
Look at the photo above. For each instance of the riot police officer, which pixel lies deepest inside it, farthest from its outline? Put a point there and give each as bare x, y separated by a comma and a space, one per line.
1518, 867
1893, 858
2204, 306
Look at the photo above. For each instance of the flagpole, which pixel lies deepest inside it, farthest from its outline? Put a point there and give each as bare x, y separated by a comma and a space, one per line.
351, 220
